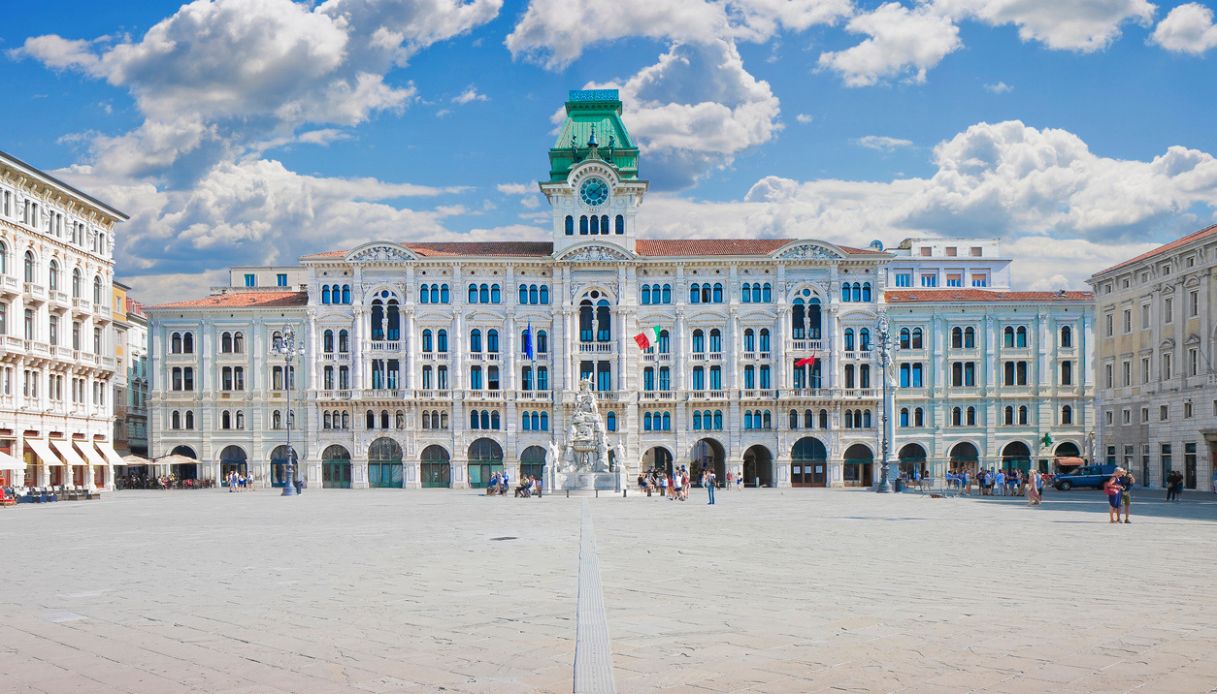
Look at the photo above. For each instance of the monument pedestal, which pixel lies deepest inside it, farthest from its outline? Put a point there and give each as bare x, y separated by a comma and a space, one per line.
579, 482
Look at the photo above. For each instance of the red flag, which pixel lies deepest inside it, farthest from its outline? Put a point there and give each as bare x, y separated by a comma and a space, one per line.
806, 361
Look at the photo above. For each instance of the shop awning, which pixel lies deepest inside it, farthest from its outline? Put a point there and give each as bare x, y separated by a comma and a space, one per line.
69, 454
111, 455
8, 462
1070, 461
135, 460
91, 453
43, 450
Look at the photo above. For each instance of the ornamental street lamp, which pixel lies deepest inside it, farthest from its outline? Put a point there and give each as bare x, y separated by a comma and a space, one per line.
286, 347
885, 359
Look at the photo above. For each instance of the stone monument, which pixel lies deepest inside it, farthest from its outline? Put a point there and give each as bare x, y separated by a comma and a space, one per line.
582, 462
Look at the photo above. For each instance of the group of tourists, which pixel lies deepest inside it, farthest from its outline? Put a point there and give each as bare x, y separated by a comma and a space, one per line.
238, 481
1119, 494
997, 482
1174, 485
528, 486
675, 485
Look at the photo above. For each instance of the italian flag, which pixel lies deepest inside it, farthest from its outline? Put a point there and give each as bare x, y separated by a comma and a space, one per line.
647, 338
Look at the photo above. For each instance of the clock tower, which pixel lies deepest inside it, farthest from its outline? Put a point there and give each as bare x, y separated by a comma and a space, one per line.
593, 187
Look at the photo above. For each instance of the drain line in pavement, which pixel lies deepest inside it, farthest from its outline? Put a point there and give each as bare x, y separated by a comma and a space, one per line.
593, 649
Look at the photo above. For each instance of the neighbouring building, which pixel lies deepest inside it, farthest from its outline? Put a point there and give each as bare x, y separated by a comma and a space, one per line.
131, 375
57, 331
435, 364
1157, 386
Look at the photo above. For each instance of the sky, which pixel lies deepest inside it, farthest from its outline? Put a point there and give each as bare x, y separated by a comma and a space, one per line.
239, 132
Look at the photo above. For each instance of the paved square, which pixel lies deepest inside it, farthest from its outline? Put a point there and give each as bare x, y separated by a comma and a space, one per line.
768, 591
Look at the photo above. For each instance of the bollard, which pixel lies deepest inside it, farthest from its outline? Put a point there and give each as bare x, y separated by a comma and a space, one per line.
756, 482
624, 492
597, 493
567, 493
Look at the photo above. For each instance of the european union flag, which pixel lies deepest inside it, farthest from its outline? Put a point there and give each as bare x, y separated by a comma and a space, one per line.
528, 341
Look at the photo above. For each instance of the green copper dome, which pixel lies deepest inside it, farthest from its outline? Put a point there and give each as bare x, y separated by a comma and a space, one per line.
593, 127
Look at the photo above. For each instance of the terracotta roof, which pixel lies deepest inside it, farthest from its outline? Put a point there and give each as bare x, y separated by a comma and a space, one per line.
1166, 248
644, 247
908, 296
242, 300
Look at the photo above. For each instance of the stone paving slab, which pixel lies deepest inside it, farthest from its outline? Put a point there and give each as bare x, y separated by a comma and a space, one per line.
767, 591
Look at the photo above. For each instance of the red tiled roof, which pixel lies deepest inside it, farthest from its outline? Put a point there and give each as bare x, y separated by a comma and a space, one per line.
1166, 248
242, 300
644, 247
908, 296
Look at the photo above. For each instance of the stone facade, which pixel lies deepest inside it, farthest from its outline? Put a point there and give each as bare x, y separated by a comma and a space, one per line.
57, 331
1157, 387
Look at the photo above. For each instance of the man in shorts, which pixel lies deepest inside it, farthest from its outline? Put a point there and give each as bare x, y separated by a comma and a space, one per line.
1127, 481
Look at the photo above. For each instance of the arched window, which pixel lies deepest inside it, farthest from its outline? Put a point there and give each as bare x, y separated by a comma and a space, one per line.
570, 225
646, 421
905, 338
595, 225
764, 340
904, 416
344, 341
495, 297
957, 338
746, 293
1022, 415
1066, 415
346, 293
97, 290
523, 299
1020, 337
542, 342
325, 293
957, 416
428, 341
610, 419
544, 295
30, 268
441, 341
475, 340
1066, 336
766, 293
849, 339
620, 224
190, 420
969, 338
718, 293
667, 294
1008, 418
667, 421
699, 341
225, 420
583, 225
76, 283
492, 341
971, 416
646, 295
845, 294
697, 420
1008, 336
694, 293
188, 343
533, 296
866, 292
473, 294
919, 417
53, 275
604, 224
175, 420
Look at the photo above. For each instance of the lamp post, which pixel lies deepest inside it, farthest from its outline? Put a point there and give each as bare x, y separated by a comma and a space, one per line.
286, 348
885, 358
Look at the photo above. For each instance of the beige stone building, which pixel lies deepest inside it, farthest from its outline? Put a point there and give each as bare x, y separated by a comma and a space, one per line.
1155, 379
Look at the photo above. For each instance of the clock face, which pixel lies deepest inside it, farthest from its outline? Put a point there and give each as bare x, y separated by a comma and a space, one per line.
594, 192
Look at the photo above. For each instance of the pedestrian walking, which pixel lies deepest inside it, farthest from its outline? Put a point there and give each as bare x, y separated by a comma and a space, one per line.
708, 479
676, 489
1112, 488
1033, 491
1127, 481
730, 479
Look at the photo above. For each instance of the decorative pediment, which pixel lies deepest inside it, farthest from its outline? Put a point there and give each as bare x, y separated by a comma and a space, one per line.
380, 253
595, 253
809, 251
1192, 340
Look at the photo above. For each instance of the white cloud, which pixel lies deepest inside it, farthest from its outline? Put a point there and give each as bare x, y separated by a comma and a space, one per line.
1073, 25
218, 75
908, 42
902, 42
1188, 28
999, 88
516, 188
803, 118
469, 95
882, 143
695, 109
1062, 211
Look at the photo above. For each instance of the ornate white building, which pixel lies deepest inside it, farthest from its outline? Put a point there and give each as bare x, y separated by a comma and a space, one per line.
57, 337
433, 364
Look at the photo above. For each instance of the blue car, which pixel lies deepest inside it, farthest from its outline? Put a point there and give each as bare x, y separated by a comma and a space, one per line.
1086, 476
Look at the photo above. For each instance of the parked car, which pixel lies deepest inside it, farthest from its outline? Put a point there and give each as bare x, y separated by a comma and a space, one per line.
1086, 476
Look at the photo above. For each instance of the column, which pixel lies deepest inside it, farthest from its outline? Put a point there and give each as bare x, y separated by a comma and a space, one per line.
410, 345
357, 349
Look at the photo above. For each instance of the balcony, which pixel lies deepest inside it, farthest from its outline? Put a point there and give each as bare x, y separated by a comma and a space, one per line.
758, 394
384, 346
385, 394
595, 347
35, 292
484, 395
37, 348
101, 311
756, 356
860, 355
859, 393
65, 353
433, 394
707, 395
806, 345
60, 299
334, 395
9, 285
657, 396
80, 305
534, 396
662, 358
483, 356
12, 344
807, 393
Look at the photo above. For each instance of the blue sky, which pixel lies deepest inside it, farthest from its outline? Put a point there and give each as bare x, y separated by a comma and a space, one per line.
253, 131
